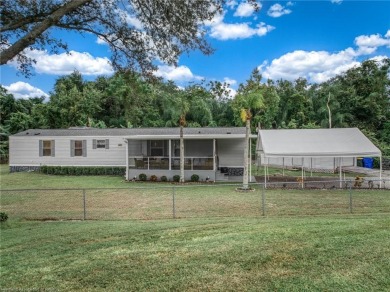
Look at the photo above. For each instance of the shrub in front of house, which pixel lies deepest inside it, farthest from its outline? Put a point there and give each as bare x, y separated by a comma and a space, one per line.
3, 216
176, 178
194, 178
164, 178
142, 177
153, 178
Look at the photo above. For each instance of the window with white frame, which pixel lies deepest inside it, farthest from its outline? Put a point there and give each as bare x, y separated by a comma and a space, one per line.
47, 148
78, 148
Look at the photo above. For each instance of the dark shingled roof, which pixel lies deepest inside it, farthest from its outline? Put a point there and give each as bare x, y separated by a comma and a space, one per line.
130, 132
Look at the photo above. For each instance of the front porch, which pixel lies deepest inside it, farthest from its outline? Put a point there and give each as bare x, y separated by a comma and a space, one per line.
166, 163
162, 157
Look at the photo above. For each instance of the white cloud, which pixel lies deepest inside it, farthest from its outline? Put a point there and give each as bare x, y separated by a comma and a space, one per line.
278, 10
231, 4
227, 31
180, 73
63, 64
368, 44
336, 1
244, 10
232, 92
317, 66
23, 90
230, 81
320, 66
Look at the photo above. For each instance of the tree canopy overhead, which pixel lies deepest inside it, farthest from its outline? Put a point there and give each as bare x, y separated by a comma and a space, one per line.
137, 31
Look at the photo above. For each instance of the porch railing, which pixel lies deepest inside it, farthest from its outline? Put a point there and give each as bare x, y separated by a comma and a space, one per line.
153, 162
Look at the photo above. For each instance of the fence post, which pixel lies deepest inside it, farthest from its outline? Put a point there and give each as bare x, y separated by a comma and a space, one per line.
263, 199
173, 203
350, 197
84, 206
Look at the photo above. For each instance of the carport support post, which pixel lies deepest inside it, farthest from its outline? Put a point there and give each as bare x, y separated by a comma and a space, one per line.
263, 200
350, 197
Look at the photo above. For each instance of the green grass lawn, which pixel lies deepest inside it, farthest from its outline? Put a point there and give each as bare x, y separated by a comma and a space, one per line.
220, 241
349, 253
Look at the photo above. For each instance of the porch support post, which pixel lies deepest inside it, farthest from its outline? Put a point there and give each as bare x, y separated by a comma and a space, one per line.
170, 154
127, 158
380, 171
214, 155
303, 162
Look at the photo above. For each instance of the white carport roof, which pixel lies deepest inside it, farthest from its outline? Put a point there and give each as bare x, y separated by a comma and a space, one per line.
346, 142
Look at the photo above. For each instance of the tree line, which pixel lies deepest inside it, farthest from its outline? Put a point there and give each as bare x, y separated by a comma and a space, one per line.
359, 97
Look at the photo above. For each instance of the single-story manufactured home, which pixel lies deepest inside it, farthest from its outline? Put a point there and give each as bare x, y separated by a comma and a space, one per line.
213, 153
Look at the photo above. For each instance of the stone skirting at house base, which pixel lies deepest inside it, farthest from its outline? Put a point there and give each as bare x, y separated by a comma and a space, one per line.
232, 171
23, 168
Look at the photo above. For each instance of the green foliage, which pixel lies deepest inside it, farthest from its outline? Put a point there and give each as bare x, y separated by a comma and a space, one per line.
194, 178
164, 178
176, 178
142, 177
358, 97
3, 216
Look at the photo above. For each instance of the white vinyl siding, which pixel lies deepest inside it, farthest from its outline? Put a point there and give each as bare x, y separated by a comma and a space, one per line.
21, 152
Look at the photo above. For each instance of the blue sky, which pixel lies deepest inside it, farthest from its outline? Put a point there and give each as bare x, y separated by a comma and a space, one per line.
285, 40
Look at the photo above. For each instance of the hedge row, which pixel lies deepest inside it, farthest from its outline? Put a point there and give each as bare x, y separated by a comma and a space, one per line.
83, 170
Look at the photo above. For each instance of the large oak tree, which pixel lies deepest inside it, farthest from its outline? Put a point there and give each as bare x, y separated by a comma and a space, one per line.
137, 31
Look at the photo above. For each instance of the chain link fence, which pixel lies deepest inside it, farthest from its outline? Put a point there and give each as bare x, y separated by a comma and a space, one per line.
195, 201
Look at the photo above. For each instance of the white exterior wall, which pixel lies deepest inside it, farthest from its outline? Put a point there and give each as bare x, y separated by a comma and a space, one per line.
24, 151
230, 152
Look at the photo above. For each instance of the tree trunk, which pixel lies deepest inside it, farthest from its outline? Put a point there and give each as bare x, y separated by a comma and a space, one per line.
31, 37
181, 155
245, 185
329, 112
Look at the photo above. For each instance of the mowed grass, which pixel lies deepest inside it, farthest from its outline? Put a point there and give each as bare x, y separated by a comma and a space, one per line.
349, 253
49, 197
220, 241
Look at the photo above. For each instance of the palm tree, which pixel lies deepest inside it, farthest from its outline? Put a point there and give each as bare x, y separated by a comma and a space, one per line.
247, 103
